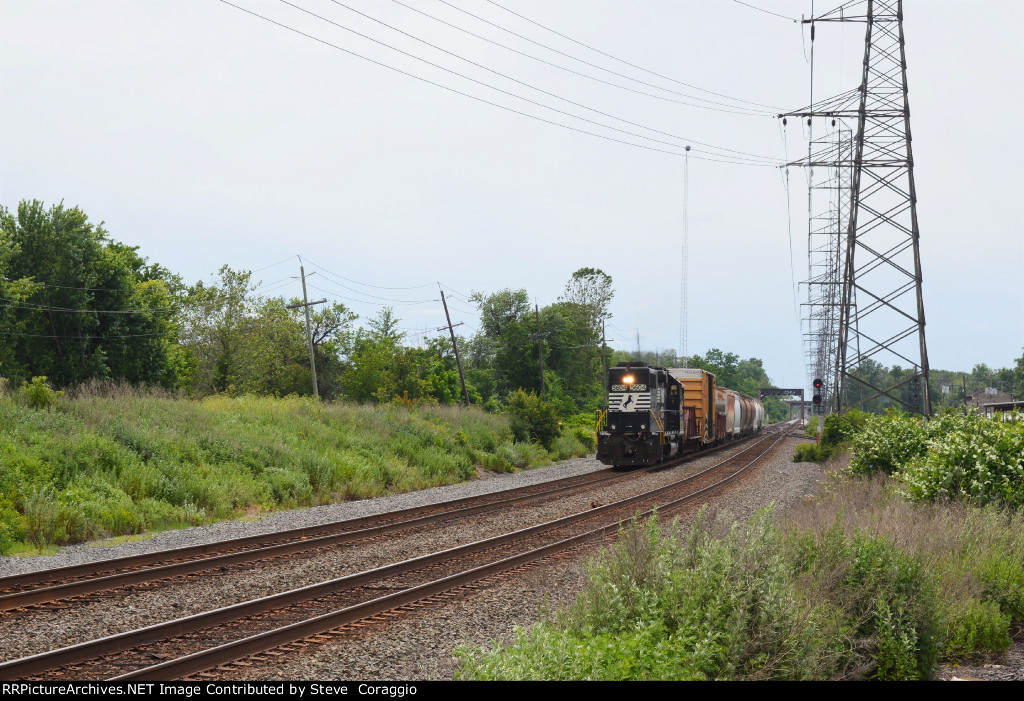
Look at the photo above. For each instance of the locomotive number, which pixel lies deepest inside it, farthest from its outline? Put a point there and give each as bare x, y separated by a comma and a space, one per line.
629, 388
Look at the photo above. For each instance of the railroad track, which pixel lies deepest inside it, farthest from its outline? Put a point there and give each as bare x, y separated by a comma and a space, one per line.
192, 644
45, 587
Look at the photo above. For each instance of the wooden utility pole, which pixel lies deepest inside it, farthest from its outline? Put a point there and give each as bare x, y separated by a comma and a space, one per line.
540, 356
306, 304
604, 363
455, 345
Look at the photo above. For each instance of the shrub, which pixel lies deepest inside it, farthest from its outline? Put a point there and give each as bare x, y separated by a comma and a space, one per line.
811, 452
50, 520
969, 457
975, 626
755, 603
888, 443
12, 525
532, 418
670, 607
839, 429
39, 395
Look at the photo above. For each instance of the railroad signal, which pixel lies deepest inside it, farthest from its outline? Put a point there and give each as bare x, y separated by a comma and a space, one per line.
818, 383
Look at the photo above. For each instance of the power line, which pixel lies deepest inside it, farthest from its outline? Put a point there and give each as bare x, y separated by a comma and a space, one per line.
471, 96
533, 87
364, 301
587, 46
273, 265
488, 85
734, 109
83, 289
47, 308
386, 299
364, 284
81, 338
769, 12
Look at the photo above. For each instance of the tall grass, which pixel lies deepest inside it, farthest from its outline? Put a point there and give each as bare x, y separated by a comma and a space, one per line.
112, 459
857, 584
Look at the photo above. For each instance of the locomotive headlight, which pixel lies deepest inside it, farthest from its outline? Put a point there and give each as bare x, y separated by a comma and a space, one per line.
628, 379
613, 427
643, 426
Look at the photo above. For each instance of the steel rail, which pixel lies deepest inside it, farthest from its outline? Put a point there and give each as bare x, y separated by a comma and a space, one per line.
296, 540
206, 659
81, 652
191, 559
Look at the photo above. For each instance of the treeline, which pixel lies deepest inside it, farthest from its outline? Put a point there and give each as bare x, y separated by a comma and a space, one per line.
959, 385
77, 306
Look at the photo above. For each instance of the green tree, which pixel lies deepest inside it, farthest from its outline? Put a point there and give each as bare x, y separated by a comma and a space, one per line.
504, 344
585, 304
79, 305
333, 339
214, 323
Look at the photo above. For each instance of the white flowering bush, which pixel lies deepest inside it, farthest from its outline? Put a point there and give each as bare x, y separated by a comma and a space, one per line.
969, 457
888, 443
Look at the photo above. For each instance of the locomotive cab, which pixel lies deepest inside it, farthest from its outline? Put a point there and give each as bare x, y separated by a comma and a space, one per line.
644, 416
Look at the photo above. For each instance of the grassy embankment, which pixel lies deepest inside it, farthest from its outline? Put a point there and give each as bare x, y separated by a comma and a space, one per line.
116, 462
918, 558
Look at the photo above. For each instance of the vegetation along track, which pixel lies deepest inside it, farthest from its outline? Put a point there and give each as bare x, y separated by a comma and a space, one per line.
43, 587
195, 643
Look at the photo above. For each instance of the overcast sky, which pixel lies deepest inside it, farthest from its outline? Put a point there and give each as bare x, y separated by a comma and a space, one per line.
205, 135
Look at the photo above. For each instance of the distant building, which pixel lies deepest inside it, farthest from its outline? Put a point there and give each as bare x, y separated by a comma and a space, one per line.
989, 395
991, 409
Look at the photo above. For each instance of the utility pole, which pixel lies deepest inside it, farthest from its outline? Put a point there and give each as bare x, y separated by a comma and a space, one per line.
540, 356
306, 304
604, 362
684, 275
455, 345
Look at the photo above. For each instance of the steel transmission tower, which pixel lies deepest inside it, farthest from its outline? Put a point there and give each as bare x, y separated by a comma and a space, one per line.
829, 186
880, 321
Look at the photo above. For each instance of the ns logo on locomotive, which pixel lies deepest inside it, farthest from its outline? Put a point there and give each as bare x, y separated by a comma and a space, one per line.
656, 413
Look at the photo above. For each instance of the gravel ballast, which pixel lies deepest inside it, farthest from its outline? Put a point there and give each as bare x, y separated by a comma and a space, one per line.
44, 629
418, 646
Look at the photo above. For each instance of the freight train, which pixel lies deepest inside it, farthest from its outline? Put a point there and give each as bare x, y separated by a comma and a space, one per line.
656, 413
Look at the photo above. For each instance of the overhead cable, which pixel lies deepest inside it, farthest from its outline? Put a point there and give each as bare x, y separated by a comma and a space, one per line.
547, 92
734, 109
475, 97
488, 85
603, 53
48, 308
769, 12
364, 284
364, 301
